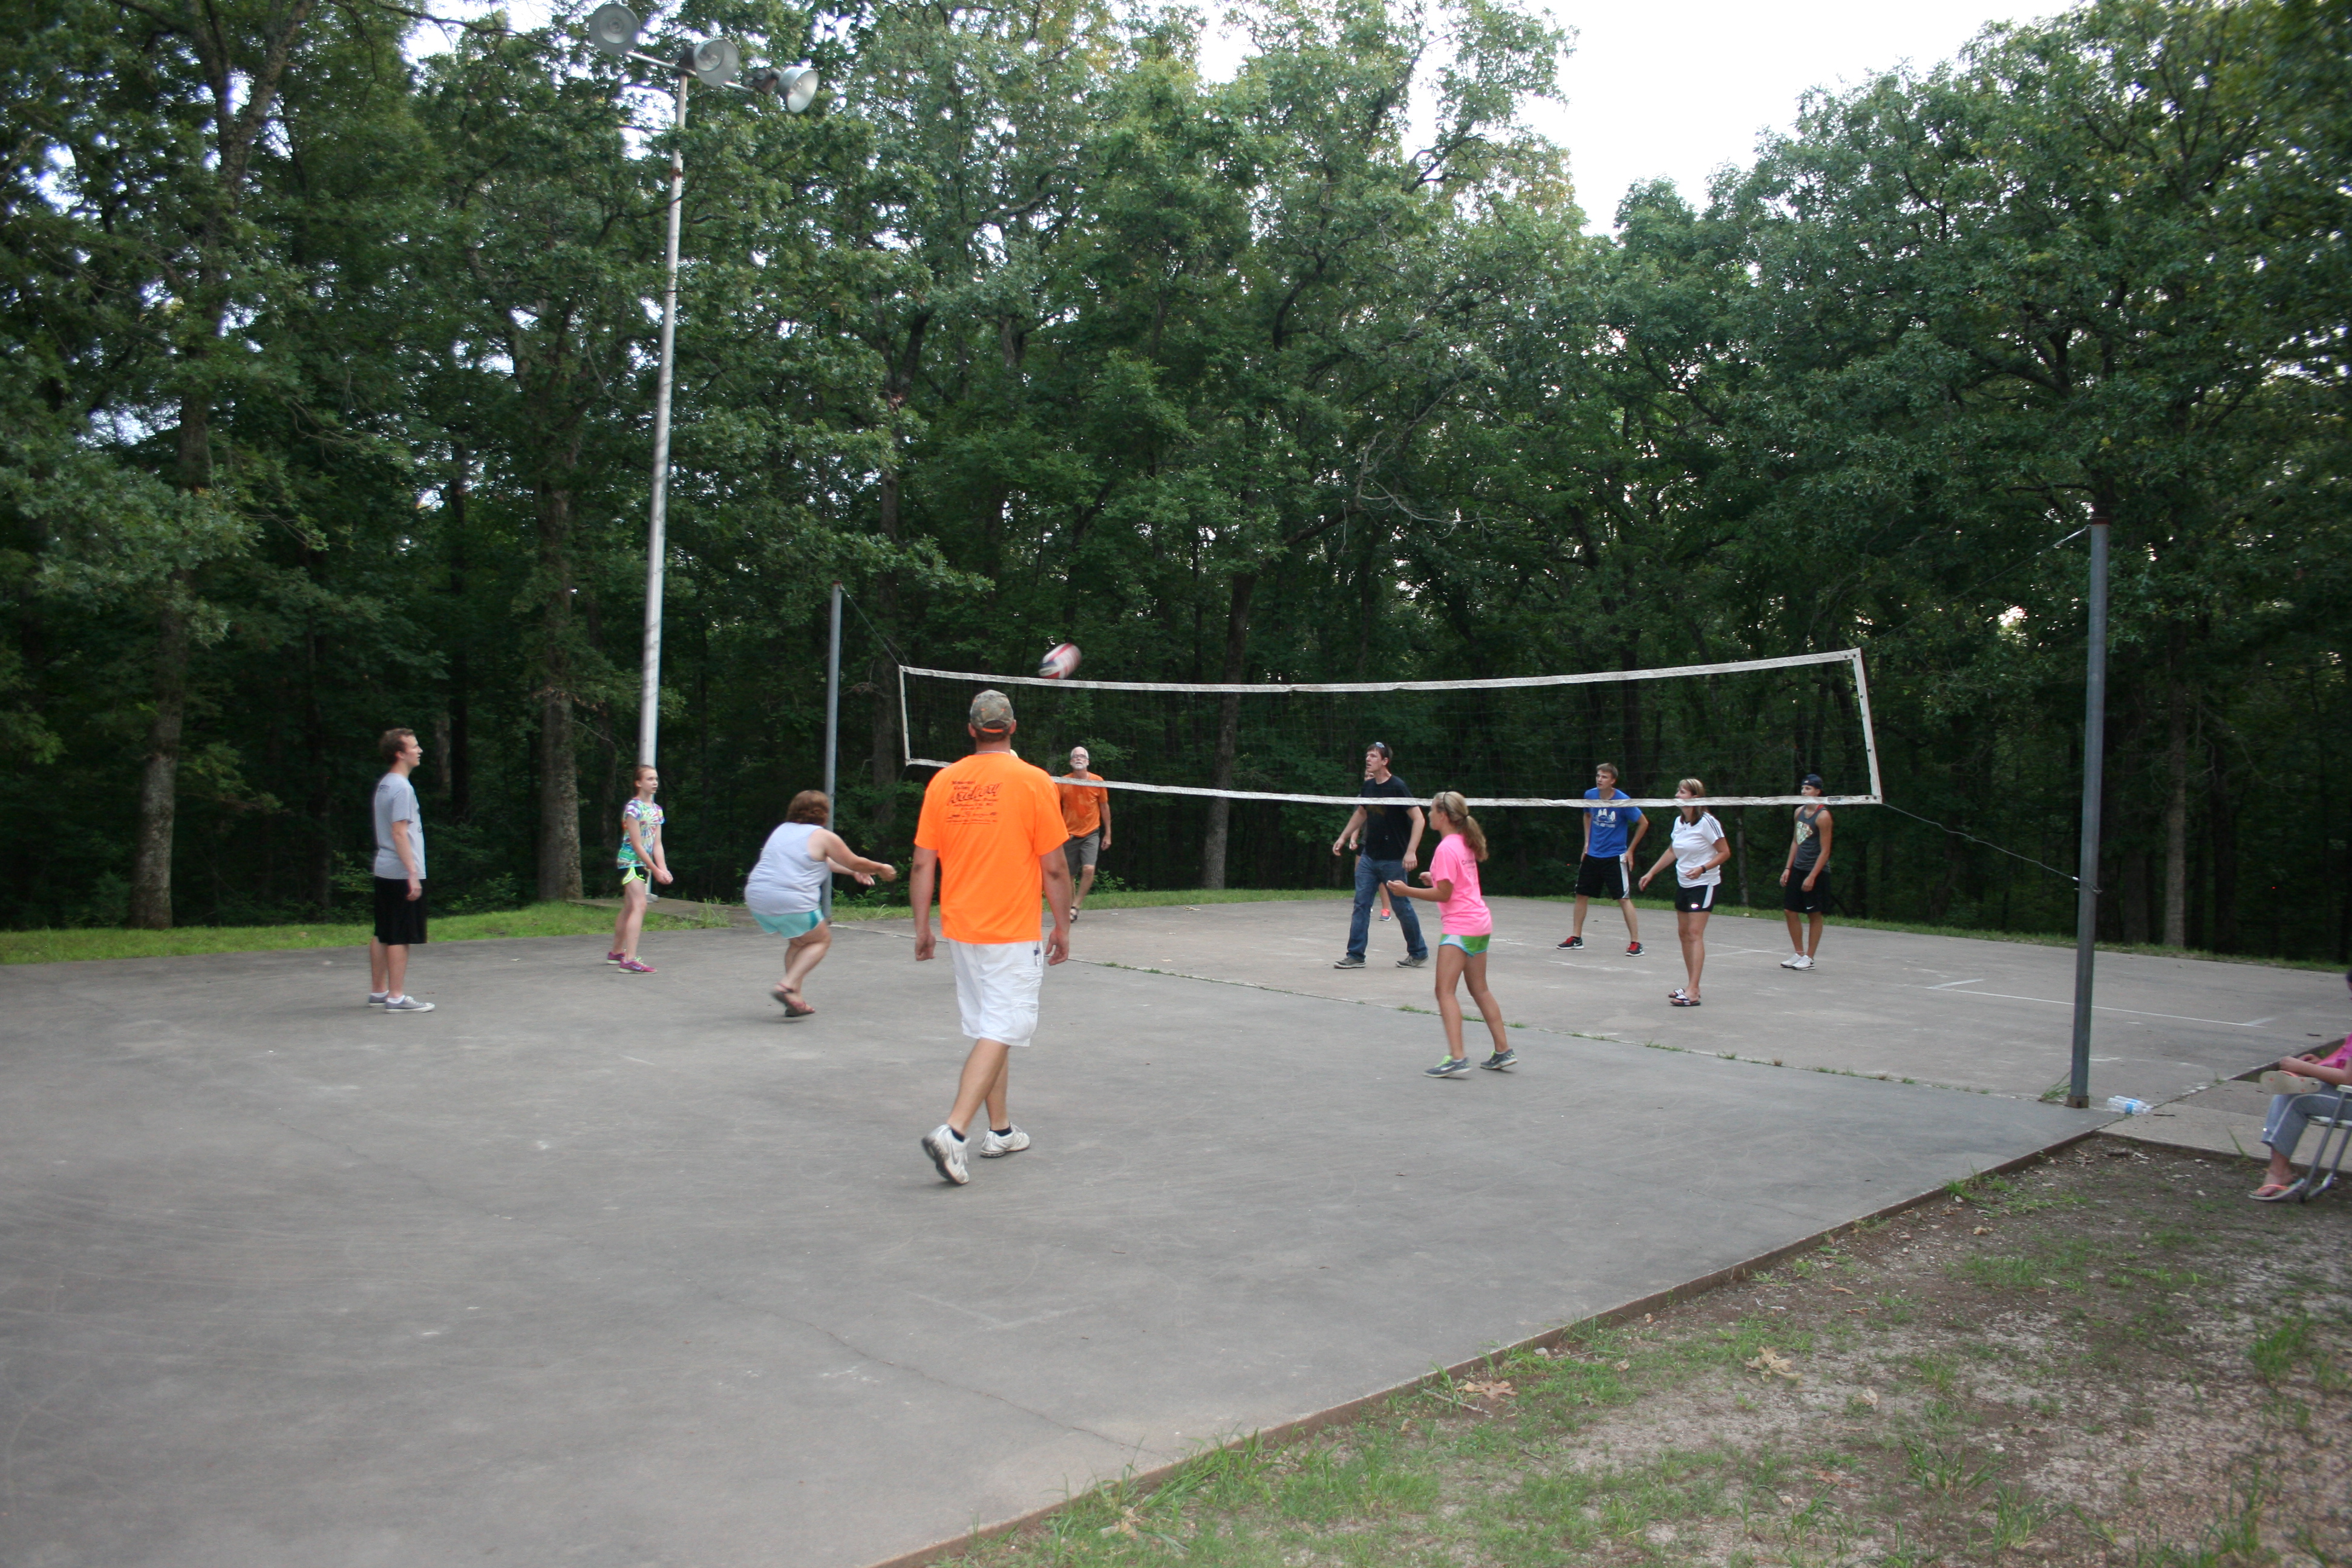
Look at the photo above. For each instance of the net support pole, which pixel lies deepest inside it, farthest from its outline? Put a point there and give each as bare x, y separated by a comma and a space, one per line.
832, 724
2094, 757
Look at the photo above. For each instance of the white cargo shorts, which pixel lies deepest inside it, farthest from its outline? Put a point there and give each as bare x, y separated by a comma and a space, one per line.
996, 986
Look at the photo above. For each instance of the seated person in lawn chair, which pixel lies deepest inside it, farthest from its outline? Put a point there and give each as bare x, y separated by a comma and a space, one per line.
2304, 1088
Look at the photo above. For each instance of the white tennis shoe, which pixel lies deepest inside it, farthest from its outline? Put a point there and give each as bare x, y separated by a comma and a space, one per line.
995, 1145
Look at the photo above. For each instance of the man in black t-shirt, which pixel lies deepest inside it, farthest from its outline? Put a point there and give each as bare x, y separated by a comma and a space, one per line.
1390, 835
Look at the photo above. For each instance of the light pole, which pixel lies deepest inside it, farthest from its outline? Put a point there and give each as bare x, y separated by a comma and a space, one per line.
714, 62
2094, 765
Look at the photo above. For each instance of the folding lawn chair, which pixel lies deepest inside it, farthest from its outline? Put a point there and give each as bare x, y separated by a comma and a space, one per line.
2334, 1128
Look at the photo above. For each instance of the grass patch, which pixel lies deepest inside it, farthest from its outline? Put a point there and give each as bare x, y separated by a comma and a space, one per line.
85, 943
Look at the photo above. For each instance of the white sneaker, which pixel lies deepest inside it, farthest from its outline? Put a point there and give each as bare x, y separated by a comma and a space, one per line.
1800, 961
994, 1145
946, 1151
1794, 961
406, 1004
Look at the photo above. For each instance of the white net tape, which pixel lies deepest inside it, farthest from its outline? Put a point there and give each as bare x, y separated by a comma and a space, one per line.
1849, 656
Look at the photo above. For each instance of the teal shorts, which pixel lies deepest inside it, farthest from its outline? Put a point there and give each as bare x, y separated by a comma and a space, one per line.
800, 923
1470, 945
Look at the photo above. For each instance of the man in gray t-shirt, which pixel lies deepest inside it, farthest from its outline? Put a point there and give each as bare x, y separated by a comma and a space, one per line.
399, 876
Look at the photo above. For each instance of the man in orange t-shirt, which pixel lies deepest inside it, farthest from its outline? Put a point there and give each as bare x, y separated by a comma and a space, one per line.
1086, 814
990, 839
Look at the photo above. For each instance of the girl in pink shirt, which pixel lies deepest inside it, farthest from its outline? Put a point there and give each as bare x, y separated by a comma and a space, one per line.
1465, 925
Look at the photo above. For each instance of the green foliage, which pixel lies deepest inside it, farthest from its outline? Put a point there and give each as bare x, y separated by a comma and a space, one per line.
341, 417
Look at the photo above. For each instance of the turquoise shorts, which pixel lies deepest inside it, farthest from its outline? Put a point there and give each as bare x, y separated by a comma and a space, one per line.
1470, 945
800, 923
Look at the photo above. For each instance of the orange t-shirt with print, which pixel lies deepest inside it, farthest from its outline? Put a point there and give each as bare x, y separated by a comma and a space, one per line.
1081, 807
988, 818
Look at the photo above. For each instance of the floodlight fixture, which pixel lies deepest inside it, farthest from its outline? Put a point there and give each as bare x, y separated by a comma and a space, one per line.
796, 86
613, 28
714, 61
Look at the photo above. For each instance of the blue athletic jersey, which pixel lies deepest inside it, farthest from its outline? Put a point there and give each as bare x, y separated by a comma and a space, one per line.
1611, 825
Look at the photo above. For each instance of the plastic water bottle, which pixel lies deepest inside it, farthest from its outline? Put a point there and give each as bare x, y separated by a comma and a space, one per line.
2127, 1105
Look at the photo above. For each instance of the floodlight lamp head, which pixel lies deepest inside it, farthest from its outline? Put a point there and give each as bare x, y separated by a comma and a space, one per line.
612, 29
795, 85
714, 61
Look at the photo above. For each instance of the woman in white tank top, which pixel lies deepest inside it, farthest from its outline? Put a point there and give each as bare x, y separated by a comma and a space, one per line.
785, 891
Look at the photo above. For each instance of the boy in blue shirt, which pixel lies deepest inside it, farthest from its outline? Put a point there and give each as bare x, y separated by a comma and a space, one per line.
1607, 848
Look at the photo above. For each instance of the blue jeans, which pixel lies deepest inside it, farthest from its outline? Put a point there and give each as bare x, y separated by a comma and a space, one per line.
1369, 875
2290, 1114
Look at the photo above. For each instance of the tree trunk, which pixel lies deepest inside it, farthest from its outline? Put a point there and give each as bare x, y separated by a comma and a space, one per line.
1629, 718
2176, 822
2133, 895
1229, 721
2222, 830
559, 774
151, 871
884, 764
159, 783
458, 755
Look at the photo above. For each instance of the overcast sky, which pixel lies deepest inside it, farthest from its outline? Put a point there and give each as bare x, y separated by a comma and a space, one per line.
1681, 87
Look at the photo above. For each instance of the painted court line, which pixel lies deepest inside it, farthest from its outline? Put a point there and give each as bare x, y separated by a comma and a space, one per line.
2136, 1012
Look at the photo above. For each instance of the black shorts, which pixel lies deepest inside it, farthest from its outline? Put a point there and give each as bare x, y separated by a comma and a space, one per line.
1695, 900
1598, 876
399, 919
1797, 901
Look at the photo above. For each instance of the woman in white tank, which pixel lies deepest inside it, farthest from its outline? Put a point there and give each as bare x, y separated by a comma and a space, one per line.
785, 891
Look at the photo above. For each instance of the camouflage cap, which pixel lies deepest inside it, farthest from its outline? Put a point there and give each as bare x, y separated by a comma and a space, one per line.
992, 713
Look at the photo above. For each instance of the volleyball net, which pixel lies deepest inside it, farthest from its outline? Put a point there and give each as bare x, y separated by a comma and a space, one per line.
1749, 730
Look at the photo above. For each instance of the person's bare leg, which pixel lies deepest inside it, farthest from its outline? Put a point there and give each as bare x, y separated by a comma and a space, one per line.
1086, 884
1577, 928
1687, 928
395, 968
1632, 926
1488, 1008
983, 1071
2282, 1170
1449, 1006
1815, 950
378, 962
1695, 951
804, 953
998, 1114
632, 920
1796, 930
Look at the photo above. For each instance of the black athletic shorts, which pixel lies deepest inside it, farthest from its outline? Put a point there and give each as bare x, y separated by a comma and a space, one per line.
1797, 901
399, 919
1600, 877
1692, 900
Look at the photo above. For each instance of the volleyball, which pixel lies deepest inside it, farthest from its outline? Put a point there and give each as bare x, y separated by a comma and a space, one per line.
1061, 662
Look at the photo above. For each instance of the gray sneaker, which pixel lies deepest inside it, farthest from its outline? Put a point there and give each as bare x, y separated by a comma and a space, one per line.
407, 1004
946, 1151
1350, 962
1409, 962
378, 998
994, 1145
1500, 1060
1449, 1067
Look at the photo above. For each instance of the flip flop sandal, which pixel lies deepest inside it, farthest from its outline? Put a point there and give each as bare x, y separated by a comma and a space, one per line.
1678, 998
792, 1005
1682, 1000
2277, 1192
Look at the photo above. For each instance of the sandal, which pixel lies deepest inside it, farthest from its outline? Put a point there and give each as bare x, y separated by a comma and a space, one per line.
1678, 997
793, 1007
1681, 1000
2277, 1192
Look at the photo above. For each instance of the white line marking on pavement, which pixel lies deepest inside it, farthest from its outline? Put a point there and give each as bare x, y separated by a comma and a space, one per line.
1947, 985
2136, 1012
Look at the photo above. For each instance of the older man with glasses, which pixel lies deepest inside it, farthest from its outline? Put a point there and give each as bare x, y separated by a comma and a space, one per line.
1390, 835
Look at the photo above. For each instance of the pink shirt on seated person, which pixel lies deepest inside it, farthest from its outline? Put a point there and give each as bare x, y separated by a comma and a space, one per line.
1465, 913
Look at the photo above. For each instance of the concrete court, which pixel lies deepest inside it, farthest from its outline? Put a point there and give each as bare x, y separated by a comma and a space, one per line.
590, 1269
1972, 1014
